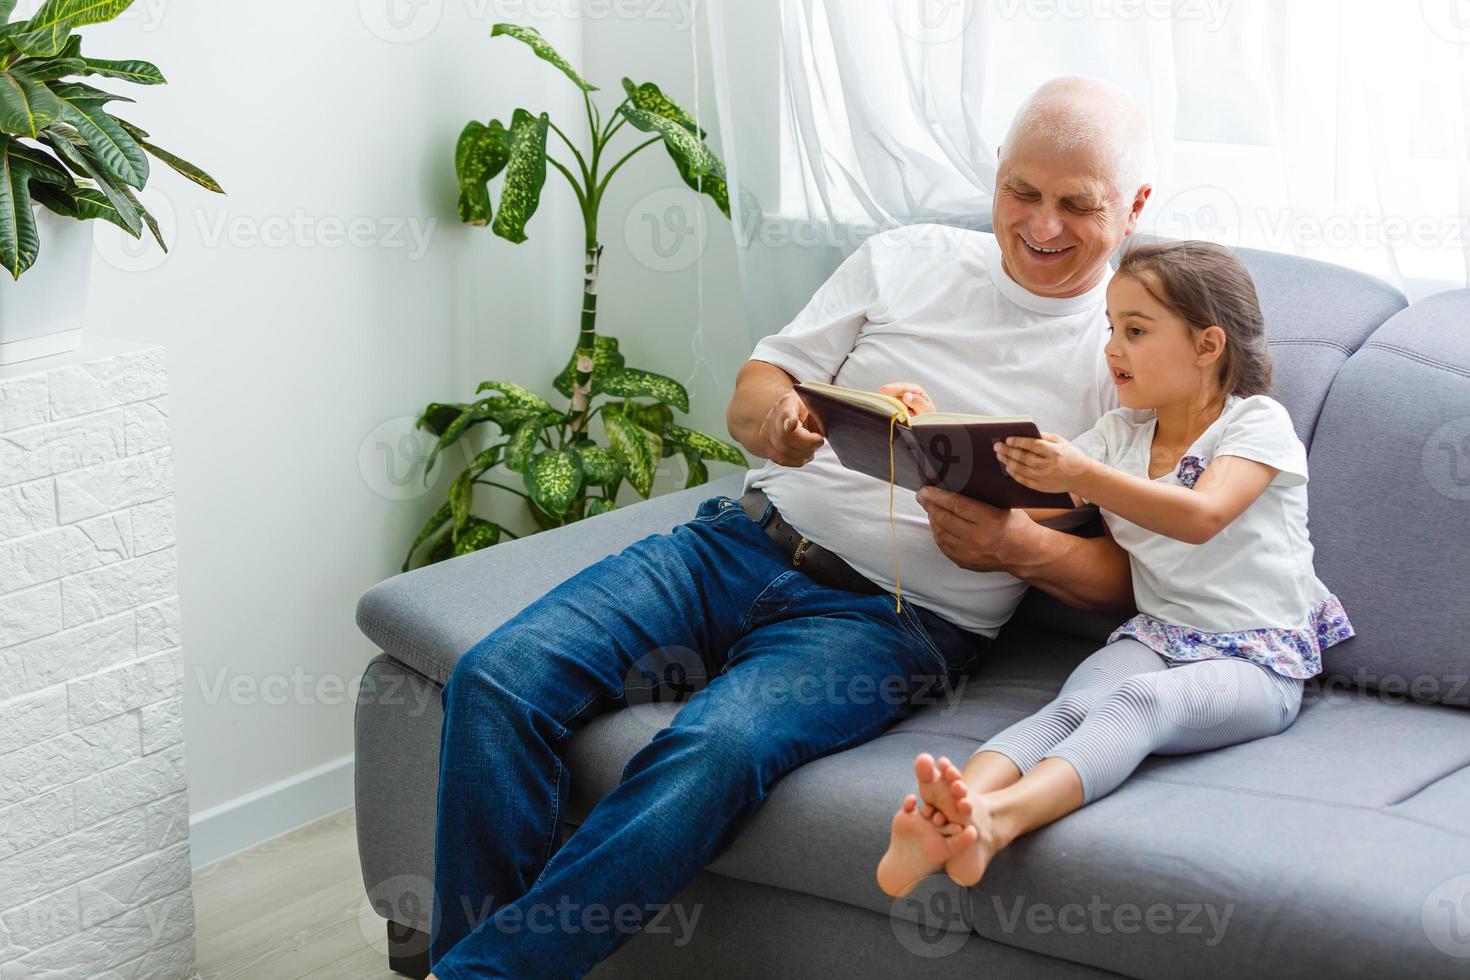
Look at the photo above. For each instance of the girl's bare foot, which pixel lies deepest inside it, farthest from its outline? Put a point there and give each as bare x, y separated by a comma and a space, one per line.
920, 844
977, 817
933, 788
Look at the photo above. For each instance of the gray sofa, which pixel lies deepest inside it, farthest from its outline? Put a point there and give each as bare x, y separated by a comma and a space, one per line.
1341, 845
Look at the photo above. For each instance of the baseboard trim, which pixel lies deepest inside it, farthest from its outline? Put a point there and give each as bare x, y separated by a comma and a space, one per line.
270, 811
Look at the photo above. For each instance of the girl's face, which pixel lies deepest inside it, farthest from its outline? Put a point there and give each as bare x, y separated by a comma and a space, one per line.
1155, 357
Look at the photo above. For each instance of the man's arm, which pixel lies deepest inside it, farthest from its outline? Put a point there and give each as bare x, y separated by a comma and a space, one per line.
768, 419
1089, 573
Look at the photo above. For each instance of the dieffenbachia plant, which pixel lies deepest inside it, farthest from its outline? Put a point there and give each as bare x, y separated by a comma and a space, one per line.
59, 147
565, 474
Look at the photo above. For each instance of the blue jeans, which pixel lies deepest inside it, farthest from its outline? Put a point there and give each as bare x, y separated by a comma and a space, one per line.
782, 670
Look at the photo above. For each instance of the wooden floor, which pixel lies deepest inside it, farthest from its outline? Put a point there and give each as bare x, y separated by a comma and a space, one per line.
292, 908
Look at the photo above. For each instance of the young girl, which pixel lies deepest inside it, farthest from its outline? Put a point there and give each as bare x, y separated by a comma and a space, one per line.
1201, 479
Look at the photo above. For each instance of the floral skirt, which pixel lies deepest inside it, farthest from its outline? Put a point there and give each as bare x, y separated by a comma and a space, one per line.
1290, 652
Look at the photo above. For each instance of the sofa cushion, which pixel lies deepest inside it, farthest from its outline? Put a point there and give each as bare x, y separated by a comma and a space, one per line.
1390, 502
429, 617
1322, 844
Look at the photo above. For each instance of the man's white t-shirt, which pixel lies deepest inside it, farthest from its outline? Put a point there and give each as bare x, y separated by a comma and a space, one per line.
1257, 572
931, 304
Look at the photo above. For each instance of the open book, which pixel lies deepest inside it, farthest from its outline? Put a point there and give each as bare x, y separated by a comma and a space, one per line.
949, 450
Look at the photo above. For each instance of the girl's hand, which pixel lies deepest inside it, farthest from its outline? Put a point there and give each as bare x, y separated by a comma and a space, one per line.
915, 399
1050, 464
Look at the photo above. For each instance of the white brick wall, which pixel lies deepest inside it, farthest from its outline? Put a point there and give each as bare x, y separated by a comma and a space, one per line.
94, 829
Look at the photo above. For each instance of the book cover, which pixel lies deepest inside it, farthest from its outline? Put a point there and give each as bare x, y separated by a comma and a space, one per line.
946, 450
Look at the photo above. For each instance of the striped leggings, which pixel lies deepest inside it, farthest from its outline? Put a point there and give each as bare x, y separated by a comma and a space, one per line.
1125, 701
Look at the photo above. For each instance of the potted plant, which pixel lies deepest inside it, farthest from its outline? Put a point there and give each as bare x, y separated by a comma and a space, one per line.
64, 159
565, 474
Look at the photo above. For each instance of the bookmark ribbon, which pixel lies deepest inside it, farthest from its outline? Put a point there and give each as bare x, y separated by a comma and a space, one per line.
893, 528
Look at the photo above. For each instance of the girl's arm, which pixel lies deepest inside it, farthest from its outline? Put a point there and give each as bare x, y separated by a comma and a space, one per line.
1223, 491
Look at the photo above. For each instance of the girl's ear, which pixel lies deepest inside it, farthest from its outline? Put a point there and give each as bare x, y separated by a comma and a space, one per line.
1209, 345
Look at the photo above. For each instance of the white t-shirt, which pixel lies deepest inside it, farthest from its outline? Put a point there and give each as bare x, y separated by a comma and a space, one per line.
931, 304
1257, 572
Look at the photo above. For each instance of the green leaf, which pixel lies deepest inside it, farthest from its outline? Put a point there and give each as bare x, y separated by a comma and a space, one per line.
650, 98
544, 51
523, 442
636, 449
7, 7
18, 242
56, 199
440, 518
93, 204
46, 34
49, 69
480, 411
706, 445
113, 148
126, 212
698, 472
631, 382
605, 357
479, 534
141, 72
655, 418
599, 466
521, 398
525, 174
462, 490
686, 146
482, 152
26, 105
599, 506
553, 480
437, 416
177, 164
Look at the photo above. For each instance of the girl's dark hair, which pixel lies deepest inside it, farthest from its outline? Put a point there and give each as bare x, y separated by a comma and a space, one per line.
1205, 284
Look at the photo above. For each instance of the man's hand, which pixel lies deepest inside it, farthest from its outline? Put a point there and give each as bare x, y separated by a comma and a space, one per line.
768, 419
791, 434
972, 534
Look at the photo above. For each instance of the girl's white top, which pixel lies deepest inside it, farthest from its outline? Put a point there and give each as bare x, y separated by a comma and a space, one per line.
1254, 575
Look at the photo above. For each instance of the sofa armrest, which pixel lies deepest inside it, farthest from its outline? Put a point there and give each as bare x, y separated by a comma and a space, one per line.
429, 617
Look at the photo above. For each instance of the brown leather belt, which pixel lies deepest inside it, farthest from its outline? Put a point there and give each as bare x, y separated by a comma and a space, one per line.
805, 556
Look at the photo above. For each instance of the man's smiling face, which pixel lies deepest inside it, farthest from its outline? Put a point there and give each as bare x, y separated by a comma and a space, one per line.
1058, 217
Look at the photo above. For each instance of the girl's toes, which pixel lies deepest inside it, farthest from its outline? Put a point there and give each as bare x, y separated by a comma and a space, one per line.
924, 768
909, 802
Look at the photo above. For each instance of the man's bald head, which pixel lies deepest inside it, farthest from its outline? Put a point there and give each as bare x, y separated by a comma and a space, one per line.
1078, 113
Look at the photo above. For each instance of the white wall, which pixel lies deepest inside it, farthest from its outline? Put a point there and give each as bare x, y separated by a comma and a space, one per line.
288, 348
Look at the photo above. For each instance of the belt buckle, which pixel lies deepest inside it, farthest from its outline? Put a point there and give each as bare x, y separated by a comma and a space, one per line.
799, 553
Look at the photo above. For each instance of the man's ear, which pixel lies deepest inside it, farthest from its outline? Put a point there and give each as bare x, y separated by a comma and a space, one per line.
1209, 345
1139, 200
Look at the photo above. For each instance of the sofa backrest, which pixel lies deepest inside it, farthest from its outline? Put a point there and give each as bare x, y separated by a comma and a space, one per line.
1390, 504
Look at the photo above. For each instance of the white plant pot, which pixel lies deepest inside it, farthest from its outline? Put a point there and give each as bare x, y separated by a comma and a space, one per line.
44, 312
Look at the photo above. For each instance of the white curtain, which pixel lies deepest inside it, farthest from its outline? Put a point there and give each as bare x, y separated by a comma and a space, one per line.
1335, 129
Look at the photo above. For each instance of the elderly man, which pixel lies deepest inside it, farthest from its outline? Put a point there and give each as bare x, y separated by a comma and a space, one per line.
784, 598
